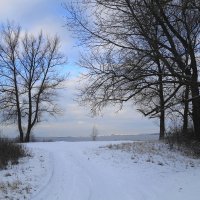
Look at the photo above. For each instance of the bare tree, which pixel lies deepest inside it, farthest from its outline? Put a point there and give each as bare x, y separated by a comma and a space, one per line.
110, 82
29, 78
139, 46
94, 133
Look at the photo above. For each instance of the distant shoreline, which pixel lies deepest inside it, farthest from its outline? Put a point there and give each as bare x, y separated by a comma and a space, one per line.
139, 137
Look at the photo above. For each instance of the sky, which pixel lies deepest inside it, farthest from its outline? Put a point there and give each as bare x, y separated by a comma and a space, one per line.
49, 16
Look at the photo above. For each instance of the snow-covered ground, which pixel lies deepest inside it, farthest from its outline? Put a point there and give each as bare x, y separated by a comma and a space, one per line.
102, 171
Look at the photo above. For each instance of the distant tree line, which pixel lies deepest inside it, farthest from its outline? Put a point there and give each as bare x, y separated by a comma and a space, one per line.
144, 51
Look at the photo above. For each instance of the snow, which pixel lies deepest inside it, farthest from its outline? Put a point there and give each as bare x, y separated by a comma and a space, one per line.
102, 171
19, 181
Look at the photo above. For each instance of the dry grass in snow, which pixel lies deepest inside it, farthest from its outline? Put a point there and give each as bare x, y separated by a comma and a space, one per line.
22, 180
155, 152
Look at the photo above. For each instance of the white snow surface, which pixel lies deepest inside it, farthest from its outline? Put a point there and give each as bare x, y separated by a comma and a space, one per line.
101, 171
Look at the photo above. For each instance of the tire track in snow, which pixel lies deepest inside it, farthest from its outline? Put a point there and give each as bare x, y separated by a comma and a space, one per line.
76, 177
79, 175
47, 179
54, 189
64, 182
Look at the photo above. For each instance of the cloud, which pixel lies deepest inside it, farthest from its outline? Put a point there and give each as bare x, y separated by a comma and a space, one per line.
77, 120
37, 15
19, 10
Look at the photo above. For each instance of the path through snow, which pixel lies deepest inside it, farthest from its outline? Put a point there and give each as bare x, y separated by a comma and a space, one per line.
76, 177
83, 171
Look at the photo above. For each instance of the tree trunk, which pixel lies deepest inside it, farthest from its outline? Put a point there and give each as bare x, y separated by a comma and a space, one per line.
186, 110
21, 138
27, 138
162, 125
162, 104
196, 110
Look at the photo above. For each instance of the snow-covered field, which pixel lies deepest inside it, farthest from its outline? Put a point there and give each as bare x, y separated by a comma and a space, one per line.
102, 171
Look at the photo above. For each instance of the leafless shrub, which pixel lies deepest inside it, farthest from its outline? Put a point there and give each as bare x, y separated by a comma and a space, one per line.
183, 142
10, 152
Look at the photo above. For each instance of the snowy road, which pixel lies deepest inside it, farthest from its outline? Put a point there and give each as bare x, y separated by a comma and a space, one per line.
76, 177
83, 171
